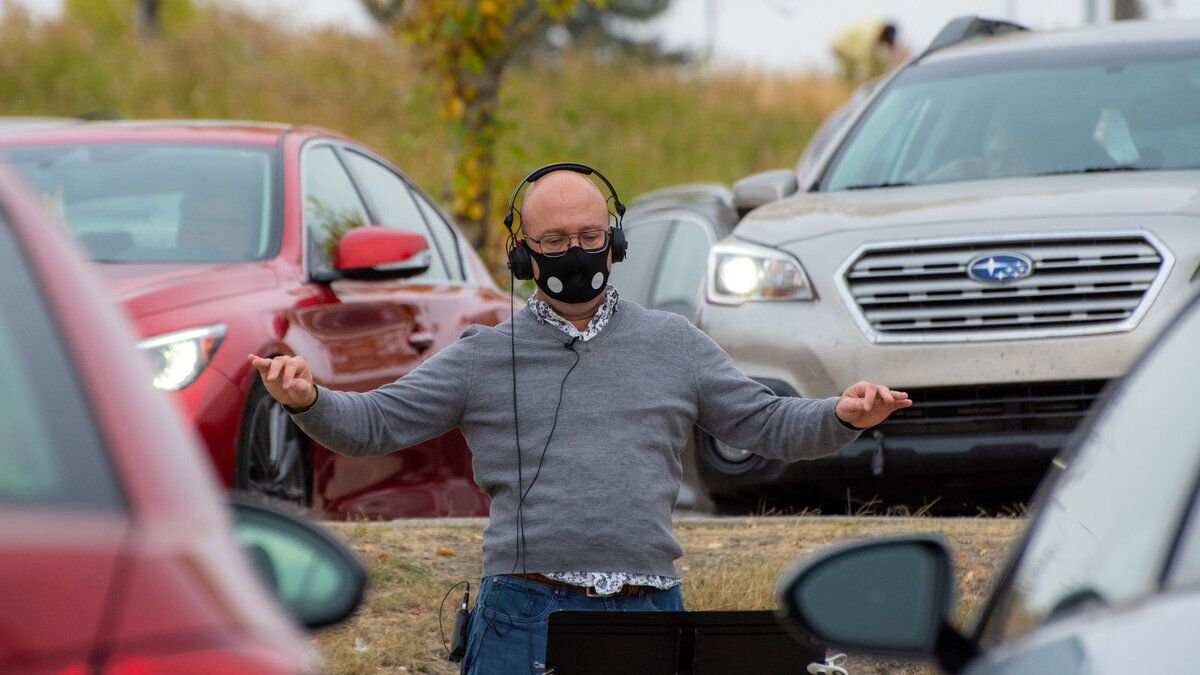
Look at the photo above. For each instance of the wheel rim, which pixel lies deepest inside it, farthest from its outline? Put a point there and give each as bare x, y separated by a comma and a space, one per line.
275, 463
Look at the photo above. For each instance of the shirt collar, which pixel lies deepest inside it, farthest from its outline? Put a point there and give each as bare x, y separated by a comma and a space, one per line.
546, 315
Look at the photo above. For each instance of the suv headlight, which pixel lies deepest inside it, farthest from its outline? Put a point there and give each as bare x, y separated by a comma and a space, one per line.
178, 358
739, 272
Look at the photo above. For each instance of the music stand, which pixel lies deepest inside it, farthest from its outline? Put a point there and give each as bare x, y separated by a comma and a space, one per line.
675, 643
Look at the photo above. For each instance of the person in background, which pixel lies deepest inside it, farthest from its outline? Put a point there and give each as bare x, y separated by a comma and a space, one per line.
865, 49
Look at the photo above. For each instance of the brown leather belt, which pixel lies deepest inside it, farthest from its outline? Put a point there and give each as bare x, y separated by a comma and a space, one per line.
626, 590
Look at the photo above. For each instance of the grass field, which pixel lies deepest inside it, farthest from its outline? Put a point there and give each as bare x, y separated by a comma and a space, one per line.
729, 563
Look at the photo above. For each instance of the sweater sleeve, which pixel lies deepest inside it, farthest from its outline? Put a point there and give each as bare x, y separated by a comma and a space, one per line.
425, 403
746, 414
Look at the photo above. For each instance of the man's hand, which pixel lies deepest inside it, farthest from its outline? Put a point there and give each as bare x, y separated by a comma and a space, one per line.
865, 405
288, 379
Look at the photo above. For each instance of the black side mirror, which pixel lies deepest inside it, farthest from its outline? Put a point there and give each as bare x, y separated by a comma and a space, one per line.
314, 576
888, 595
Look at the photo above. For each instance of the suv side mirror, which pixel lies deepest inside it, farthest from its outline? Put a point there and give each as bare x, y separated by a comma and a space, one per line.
760, 188
890, 595
314, 576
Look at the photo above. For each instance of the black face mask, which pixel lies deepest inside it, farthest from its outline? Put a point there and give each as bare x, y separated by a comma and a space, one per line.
576, 276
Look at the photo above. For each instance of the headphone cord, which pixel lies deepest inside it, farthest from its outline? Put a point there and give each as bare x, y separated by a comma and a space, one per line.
522, 491
512, 331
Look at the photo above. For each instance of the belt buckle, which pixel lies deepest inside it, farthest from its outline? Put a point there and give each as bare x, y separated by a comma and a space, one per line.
626, 589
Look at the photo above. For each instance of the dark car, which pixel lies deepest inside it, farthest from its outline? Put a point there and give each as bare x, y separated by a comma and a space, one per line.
1106, 577
997, 229
222, 239
670, 232
118, 553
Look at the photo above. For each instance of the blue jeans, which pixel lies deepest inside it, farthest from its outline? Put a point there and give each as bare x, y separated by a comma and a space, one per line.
507, 631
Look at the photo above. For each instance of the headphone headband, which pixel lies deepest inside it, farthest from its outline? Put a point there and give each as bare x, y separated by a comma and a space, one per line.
561, 166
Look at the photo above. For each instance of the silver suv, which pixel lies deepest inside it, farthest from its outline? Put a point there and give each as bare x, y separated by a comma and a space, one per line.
999, 230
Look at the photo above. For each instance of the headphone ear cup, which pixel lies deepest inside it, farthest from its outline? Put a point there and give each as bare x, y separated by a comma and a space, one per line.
619, 244
520, 263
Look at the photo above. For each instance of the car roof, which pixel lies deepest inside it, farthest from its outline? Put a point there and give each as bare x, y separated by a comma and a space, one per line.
712, 201
171, 131
1107, 36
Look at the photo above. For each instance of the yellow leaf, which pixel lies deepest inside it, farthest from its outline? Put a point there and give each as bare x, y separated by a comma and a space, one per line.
442, 550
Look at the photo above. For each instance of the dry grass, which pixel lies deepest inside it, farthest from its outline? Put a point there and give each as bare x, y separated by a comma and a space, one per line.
728, 564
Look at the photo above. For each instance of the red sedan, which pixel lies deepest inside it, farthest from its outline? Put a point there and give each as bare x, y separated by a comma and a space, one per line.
117, 553
223, 239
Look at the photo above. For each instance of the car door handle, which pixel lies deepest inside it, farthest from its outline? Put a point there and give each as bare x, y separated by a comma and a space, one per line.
421, 340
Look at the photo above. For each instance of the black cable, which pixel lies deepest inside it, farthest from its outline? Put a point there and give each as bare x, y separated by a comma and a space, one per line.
522, 491
442, 607
554, 425
520, 552
512, 332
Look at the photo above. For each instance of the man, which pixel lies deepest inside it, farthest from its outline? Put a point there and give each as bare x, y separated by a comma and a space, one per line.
575, 411
865, 49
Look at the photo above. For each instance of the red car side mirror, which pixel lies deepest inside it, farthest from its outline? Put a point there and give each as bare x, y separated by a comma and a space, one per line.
377, 252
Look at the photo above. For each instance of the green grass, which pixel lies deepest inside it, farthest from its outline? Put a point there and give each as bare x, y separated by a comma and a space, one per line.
644, 126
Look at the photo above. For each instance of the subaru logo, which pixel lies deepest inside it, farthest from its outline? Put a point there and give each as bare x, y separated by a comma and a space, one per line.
1000, 268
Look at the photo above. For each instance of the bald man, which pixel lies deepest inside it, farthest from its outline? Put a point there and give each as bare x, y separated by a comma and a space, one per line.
576, 411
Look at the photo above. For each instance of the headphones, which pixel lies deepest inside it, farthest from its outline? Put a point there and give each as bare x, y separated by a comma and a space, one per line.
518, 256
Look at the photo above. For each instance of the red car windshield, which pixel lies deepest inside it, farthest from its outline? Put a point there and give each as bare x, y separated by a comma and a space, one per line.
158, 202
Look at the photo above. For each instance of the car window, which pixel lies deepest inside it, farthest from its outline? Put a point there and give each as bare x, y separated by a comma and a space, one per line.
52, 453
394, 206
681, 271
444, 235
332, 205
158, 202
1039, 114
633, 276
1106, 529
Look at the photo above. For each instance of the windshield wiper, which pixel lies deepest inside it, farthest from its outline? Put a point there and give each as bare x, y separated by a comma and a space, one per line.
870, 186
1094, 169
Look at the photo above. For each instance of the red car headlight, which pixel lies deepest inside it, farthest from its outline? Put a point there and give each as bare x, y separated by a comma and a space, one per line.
178, 358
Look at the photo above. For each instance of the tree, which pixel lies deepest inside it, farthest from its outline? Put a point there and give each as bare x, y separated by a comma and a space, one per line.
1124, 10
467, 44
148, 18
115, 17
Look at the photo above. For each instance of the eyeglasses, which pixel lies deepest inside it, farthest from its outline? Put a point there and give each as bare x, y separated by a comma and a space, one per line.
554, 245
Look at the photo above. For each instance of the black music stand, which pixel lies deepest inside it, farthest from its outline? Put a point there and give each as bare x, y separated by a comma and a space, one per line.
675, 643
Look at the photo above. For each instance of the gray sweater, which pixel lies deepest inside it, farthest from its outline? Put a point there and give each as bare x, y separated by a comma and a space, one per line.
608, 477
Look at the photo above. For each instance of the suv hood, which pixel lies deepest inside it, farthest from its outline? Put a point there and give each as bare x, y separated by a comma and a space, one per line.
146, 289
813, 214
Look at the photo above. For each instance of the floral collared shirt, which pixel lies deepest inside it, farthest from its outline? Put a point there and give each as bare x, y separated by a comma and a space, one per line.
604, 583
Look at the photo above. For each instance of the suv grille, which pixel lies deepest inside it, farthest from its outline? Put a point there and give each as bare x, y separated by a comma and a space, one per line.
1038, 287
994, 409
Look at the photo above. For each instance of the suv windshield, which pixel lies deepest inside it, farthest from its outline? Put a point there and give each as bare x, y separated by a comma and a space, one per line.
1028, 114
155, 203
